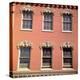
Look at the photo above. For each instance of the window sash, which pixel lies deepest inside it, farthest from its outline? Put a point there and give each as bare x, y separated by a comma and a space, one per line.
67, 22
24, 59
47, 25
47, 58
48, 21
67, 57
27, 20
47, 52
27, 24
47, 62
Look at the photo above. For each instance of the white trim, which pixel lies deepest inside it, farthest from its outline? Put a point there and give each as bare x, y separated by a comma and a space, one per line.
23, 69
46, 69
42, 22
63, 63
47, 30
68, 69
42, 61
18, 58
41, 57
66, 31
62, 58
22, 29
21, 21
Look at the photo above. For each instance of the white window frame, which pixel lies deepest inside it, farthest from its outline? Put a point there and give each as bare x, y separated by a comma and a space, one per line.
43, 25
62, 27
22, 22
18, 68
42, 60
63, 63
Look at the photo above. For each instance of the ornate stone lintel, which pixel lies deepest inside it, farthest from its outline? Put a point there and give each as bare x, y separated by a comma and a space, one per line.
46, 44
24, 44
26, 8
48, 9
67, 11
66, 45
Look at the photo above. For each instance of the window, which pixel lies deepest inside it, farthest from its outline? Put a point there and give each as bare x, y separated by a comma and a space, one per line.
24, 57
67, 57
47, 58
27, 20
48, 21
67, 22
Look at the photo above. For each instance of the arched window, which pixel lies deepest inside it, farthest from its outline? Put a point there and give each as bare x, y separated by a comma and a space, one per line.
24, 54
27, 17
46, 52
47, 20
67, 55
67, 21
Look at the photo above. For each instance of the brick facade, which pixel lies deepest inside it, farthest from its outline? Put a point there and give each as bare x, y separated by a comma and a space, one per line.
57, 38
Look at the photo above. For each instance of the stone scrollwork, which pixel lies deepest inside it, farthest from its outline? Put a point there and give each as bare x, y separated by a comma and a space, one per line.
47, 10
67, 11
66, 45
46, 44
24, 44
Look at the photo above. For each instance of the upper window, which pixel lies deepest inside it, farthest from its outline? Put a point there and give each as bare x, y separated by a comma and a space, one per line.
48, 21
67, 22
27, 20
24, 59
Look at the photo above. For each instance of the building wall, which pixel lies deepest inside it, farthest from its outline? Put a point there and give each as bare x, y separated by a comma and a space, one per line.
37, 36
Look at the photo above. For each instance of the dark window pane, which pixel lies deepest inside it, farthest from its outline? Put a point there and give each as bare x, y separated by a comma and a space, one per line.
47, 62
27, 15
47, 52
24, 60
27, 24
25, 52
67, 52
67, 61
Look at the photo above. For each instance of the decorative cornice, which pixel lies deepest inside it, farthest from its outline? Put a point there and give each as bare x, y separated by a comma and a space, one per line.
47, 5
24, 44
66, 11
46, 44
66, 45
27, 8
47, 9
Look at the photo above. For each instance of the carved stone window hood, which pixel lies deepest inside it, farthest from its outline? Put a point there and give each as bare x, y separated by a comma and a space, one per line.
47, 10
66, 45
46, 44
27, 8
24, 44
67, 11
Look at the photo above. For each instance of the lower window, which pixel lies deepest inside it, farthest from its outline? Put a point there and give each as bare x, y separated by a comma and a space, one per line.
67, 57
24, 60
47, 58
